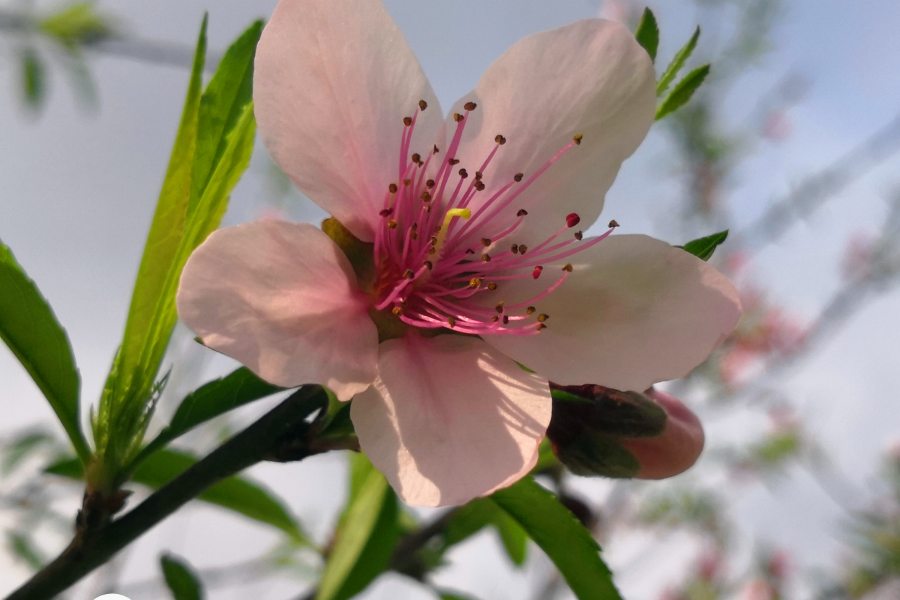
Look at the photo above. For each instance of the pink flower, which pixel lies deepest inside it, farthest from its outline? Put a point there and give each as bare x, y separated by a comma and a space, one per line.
468, 232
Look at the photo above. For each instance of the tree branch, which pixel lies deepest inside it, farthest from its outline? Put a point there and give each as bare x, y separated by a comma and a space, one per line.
282, 426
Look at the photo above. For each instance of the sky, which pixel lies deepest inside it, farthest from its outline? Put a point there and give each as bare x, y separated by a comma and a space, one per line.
77, 192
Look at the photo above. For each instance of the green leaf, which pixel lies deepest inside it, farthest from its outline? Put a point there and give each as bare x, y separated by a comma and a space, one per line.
445, 595
23, 547
556, 530
366, 535
704, 247
480, 513
180, 578
237, 494
212, 151
128, 383
682, 92
647, 33
34, 79
30, 330
677, 63
23, 446
209, 401
77, 23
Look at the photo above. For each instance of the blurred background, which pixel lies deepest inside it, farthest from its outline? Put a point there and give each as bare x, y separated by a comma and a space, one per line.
792, 145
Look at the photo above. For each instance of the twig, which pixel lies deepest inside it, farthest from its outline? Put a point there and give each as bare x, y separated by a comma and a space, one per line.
259, 440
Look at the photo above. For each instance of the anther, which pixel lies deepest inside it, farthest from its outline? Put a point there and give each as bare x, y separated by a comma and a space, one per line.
530, 310
428, 265
386, 212
567, 268
469, 106
406, 182
397, 311
537, 271
426, 197
408, 274
392, 224
486, 257
523, 248
469, 251
451, 321
543, 317
432, 250
577, 138
413, 235
492, 286
613, 223
485, 242
414, 227
479, 186
458, 117
416, 158
494, 319
433, 240
422, 105
407, 121
573, 219
499, 307
500, 140
540, 326
463, 173
579, 235
453, 161
522, 212
478, 175
475, 282
505, 319
436, 149
393, 188
514, 249
429, 184
519, 177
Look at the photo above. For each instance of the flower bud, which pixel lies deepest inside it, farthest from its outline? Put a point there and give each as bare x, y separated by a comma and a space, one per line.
597, 430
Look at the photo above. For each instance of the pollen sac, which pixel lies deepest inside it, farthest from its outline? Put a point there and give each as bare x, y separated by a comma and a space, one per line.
429, 184
458, 117
579, 235
397, 311
479, 186
426, 197
519, 177
486, 257
499, 307
451, 322
613, 224
540, 327
422, 105
436, 149
523, 248
408, 274
500, 140
463, 173
453, 162
567, 268
393, 188
577, 138
573, 219
485, 242
590, 422
542, 317
492, 286
537, 271
522, 213
475, 282
469, 251
514, 249
530, 310
392, 224
386, 212
428, 265
415, 158
470, 106
407, 121
506, 319
479, 175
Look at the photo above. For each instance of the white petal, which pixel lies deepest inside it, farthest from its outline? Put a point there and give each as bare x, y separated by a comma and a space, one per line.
590, 77
635, 311
333, 81
282, 299
450, 419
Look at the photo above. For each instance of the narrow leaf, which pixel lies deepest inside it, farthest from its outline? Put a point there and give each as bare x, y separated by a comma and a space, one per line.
180, 579
556, 530
209, 401
677, 63
366, 535
24, 549
237, 494
30, 330
704, 247
34, 79
647, 33
682, 92
480, 513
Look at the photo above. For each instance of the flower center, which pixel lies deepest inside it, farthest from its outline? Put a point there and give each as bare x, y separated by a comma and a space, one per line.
429, 271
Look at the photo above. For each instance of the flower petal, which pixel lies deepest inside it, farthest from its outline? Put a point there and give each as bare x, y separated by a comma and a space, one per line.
449, 418
590, 77
635, 311
676, 449
333, 81
282, 299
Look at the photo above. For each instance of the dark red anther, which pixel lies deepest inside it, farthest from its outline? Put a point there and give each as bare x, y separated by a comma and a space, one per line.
573, 219
386, 212
537, 271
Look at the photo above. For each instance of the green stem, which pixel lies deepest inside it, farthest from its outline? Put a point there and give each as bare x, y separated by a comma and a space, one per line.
261, 440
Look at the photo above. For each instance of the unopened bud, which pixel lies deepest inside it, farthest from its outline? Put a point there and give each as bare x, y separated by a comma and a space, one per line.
597, 430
